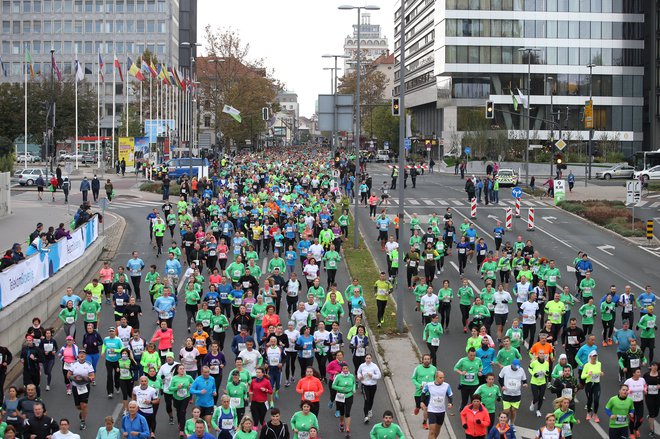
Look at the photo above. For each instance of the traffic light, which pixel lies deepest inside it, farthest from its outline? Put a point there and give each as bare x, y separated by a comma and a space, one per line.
396, 109
559, 161
490, 110
265, 113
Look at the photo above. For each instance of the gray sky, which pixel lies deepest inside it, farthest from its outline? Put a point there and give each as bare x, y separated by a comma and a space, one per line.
292, 35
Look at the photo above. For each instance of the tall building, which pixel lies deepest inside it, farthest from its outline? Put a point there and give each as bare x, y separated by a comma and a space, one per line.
89, 28
479, 55
372, 44
187, 32
651, 123
421, 92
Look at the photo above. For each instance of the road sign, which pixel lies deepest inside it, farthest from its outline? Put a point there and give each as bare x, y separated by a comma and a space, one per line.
633, 191
386, 145
560, 144
560, 190
467, 150
406, 143
104, 203
516, 192
589, 115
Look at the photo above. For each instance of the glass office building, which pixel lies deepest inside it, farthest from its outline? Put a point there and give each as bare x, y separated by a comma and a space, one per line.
479, 56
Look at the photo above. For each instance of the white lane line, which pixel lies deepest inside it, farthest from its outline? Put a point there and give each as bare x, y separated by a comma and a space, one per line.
118, 409
457, 203
654, 205
443, 203
641, 203
429, 202
599, 429
413, 202
263, 266
650, 251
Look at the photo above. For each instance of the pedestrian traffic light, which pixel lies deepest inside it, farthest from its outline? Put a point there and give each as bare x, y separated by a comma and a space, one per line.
396, 109
490, 110
265, 113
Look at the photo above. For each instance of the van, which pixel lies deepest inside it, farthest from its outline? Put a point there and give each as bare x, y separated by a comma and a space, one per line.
177, 168
382, 155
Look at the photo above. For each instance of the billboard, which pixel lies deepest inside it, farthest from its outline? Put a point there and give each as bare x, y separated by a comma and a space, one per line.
141, 146
127, 150
158, 127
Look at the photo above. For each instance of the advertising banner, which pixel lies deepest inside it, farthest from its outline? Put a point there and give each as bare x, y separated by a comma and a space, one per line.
158, 127
141, 146
127, 150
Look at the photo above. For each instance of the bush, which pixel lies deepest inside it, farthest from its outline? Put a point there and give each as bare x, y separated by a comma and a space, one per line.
624, 228
602, 215
573, 207
612, 215
156, 187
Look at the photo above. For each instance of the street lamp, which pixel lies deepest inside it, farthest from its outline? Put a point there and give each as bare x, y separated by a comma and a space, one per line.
529, 99
187, 109
336, 128
357, 106
587, 174
551, 80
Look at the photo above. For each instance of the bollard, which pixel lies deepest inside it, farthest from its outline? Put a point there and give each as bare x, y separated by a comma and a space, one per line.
517, 207
649, 229
530, 219
509, 218
473, 210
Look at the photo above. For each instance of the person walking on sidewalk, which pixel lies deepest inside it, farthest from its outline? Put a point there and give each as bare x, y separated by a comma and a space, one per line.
40, 183
84, 188
109, 190
96, 187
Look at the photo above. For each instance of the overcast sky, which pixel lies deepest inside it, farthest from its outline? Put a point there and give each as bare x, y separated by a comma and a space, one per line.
292, 35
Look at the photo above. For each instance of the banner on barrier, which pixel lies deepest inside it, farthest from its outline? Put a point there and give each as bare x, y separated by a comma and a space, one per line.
18, 280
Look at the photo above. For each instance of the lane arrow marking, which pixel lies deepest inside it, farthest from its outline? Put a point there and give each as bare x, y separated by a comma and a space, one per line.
605, 248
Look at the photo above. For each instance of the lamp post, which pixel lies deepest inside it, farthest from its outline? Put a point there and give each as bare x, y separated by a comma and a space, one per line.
402, 165
335, 92
358, 107
587, 174
187, 103
551, 80
527, 107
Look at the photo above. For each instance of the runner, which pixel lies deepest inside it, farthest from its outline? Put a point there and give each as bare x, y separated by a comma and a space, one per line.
81, 374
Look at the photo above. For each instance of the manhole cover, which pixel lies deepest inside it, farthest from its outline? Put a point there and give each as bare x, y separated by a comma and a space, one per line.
127, 196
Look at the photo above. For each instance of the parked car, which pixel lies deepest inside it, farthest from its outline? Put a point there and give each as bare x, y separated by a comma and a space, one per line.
382, 156
88, 158
71, 157
507, 177
28, 176
617, 171
22, 157
649, 174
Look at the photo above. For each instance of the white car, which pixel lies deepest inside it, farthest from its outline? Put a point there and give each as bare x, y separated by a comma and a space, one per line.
649, 174
382, 156
71, 157
22, 157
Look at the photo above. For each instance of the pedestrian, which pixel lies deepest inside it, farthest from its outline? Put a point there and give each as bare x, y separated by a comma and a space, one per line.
66, 187
413, 176
5, 360
457, 164
58, 174
166, 187
571, 181
117, 166
431, 165
122, 165
53, 187
532, 183
470, 189
109, 190
84, 188
479, 187
495, 194
96, 187
32, 358
40, 183
462, 169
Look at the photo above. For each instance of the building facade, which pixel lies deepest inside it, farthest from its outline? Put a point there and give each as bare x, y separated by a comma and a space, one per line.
420, 84
89, 28
372, 44
479, 54
384, 64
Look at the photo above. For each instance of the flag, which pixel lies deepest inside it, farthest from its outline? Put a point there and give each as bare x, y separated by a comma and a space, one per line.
162, 74
152, 69
118, 67
101, 67
2, 68
28, 60
79, 70
148, 69
515, 101
233, 112
53, 65
523, 99
133, 70
173, 78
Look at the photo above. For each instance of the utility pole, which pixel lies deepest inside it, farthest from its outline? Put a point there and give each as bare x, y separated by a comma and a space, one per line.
52, 109
401, 283
591, 128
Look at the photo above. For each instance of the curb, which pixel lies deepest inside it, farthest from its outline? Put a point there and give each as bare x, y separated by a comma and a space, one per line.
389, 383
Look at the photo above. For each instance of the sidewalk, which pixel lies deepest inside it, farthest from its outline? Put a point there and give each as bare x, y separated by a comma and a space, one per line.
27, 211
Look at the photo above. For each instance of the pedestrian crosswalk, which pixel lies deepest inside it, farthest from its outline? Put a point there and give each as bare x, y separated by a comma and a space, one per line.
119, 204
456, 202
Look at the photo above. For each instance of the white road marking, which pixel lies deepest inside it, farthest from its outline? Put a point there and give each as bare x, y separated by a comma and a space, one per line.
549, 219
118, 409
599, 429
652, 251
429, 202
457, 203
605, 248
443, 203
413, 202
640, 203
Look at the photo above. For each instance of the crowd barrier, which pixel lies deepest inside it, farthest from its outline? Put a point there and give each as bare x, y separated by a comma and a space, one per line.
18, 280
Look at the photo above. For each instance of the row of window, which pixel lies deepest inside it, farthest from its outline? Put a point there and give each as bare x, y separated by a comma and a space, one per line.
83, 26
605, 6
594, 30
570, 56
82, 47
80, 6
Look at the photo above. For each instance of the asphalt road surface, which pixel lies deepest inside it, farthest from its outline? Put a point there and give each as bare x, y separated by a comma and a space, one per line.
136, 238
557, 236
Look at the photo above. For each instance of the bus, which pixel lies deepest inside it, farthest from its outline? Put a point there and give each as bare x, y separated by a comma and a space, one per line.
645, 159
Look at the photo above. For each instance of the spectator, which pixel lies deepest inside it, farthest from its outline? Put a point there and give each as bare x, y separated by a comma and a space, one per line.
84, 188
37, 232
96, 187
40, 182
61, 232
109, 189
6, 260
17, 253
66, 187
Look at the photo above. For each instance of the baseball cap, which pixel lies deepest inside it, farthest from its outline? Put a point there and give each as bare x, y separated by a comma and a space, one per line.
516, 362
593, 354
563, 356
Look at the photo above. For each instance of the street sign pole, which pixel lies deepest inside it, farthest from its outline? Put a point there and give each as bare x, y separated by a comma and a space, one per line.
103, 202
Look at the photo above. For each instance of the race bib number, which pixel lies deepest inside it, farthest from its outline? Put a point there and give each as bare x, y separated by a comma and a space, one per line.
589, 313
555, 316
652, 389
332, 264
307, 353
235, 402
621, 419
237, 273
69, 320
429, 257
124, 373
91, 316
206, 323
48, 347
182, 392
552, 279
469, 377
490, 273
435, 341
567, 393
360, 352
212, 253
214, 369
637, 396
513, 385
119, 302
627, 307
595, 378
227, 424
438, 401
246, 284
340, 397
164, 315
572, 339
82, 389
222, 255
634, 362
241, 346
650, 324
413, 264
238, 301
309, 396
566, 429
303, 435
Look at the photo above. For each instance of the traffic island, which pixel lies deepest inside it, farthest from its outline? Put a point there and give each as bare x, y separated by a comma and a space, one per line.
612, 215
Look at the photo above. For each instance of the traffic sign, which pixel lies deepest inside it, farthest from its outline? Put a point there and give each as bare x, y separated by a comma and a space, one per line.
386, 145
467, 150
633, 191
103, 203
406, 143
560, 144
516, 192
589, 114
559, 190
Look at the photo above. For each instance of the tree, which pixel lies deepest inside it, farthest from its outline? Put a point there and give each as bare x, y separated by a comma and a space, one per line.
372, 90
240, 82
384, 126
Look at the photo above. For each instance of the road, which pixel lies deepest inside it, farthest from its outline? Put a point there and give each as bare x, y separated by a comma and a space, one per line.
134, 207
557, 235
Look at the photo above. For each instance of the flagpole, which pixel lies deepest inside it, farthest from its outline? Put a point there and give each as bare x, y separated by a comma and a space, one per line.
140, 102
98, 116
25, 122
75, 78
127, 83
114, 108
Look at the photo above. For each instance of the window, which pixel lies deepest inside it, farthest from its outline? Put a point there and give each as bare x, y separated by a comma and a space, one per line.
130, 5
68, 47
119, 26
109, 6
162, 28
16, 27
140, 26
574, 56
36, 47
57, 5
585, 30
99, 6
530, 29
98, 26
89, 26
573, 30
27, 27
89, 6
119, 6
88, 47
27, 6
162, 6
140, 5
595, 30
109, 26
151, 5
109, 47
78, 6
68, 26
151, 26
16, 47
551, 29
129, 47
68, 6
16, 7
207, 121
119, 47
606, 30
48, 27
6, 7
130, 26
37, 6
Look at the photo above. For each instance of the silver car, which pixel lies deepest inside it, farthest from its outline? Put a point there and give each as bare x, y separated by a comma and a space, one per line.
618, 171
28, 176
